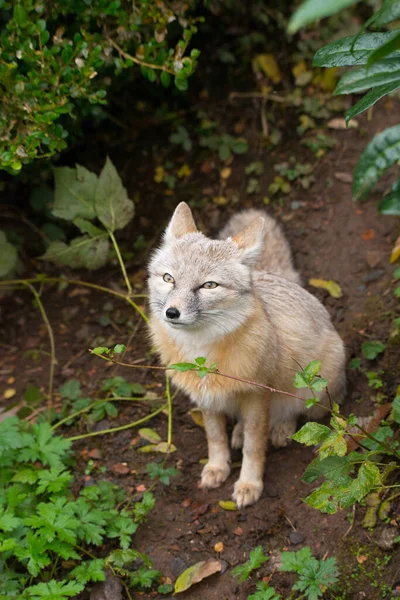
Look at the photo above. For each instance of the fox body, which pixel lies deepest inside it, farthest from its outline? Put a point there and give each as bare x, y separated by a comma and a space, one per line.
237, 301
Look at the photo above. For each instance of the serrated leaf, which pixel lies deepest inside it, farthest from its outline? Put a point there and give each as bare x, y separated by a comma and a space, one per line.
89, 570
350, 51
333, 445
311, 434
380, 73
371, 98
332, 287
196, 573
390, 205
74, 193
87, 252
112, 205
371, 350
150, 435
71, 390
8, 256
380, 154
334, 468
54, 590
311, 10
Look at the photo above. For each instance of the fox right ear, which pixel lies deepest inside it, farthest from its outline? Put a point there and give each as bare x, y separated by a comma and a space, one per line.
250, 240
182, 222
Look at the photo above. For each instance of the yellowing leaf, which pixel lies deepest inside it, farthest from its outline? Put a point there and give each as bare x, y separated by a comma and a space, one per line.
184, 171
326, 79
396, 251
147, 449
159, 174
197, 417
225, 173
165, 448
339, 123
267, 64
220, 200
9, 393
150, 435
196, 573
299, 68
227, 504
332, 287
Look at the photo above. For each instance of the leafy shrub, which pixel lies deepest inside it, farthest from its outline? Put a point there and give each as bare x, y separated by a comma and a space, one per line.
57, 56
43, 526
376, 59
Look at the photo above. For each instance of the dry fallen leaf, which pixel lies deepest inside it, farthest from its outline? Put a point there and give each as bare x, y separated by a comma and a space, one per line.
344, 177
226, 172
332, 287
368, 234
227, 504
120, 468
9, 393
361, 559
219, 547
339, 123
396, 251
150, 435
370, 424
197, 417
196, 573
267, 64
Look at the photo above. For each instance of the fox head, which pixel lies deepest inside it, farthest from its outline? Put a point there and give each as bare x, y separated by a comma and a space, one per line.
201, 284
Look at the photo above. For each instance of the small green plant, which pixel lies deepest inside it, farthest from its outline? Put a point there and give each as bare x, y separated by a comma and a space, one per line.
315, 577
224, 144
371, 350
181, 138
163, 474
293, 171
319, 144
264, 592
44, 526
8, 257
256, 559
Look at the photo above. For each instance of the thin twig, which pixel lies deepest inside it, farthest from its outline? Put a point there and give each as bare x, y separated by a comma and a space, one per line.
138, 61
121, 262
273, 97
168, 395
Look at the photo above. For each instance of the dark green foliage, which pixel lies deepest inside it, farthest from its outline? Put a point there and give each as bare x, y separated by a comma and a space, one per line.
43, 524
256, 559
314, 576
56, 57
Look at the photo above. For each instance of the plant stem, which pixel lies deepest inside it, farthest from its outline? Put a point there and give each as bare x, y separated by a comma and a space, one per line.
168, 394
121, 428
138, 61
121, 261
53, 360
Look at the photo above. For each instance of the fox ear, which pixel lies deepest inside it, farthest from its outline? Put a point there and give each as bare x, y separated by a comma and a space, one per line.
250, 240
182, 222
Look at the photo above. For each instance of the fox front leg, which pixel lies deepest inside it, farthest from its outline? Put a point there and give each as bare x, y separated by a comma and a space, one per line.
218, 466
254, 415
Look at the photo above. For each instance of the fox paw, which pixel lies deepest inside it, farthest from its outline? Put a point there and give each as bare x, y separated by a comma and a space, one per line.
281, 433
237, 436
212, 476
247, 492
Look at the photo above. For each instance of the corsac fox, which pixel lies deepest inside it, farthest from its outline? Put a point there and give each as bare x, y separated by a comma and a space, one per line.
237, 301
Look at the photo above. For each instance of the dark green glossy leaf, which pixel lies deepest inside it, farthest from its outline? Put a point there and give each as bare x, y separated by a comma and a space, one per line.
381, 73
350, 51
390, 11
311, 10
387, 49
390, 205
371, 98
380, 154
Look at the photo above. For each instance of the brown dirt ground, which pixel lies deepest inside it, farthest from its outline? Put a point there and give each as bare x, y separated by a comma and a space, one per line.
332, 238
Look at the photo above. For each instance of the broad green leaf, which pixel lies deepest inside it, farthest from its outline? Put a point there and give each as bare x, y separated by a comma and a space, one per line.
86, 226
112, 205
196, 573
311, 434
8, 256
390, 11
385, 50
312, 369
311, 10
119, 348
390, 205
371, 350
296, 561
380, 154
380, 73
90, 253
350, 51
333, 445
369, 478
182, 367
334, 468
54, 590
74, 193
20, 15
324, 498
319, 384
100, 350
71, 390
370, 99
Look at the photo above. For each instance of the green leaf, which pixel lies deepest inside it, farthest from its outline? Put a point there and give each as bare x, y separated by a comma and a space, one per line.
311, 10
74, 193
10, 437
90, 253
71, 390
380, 154
256, 559
54, 590
333, 445
86, 226
264, 592
44, 446
385, 50
396, 409
89, 570
368, 478
20, 15
112, 205
295, 561
182, 367
8, 256
390, 11
390, 205
324, 498
101, 350
119, 348
380, 73
350, 51
311, 434
371, 350
181, 83
334, 468
201, 360
370, 99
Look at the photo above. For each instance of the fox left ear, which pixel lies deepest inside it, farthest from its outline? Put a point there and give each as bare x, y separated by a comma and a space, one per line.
182, 222
250, 240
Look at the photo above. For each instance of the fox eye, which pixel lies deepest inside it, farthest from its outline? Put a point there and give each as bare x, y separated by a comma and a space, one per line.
168, 278
210, 285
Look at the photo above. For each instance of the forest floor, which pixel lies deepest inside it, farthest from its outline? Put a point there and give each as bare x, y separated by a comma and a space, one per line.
332, 238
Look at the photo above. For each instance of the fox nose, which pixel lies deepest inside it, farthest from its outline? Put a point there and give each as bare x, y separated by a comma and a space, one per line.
173, 313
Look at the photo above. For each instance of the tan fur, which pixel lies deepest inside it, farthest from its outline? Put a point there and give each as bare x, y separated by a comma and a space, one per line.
255, 325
